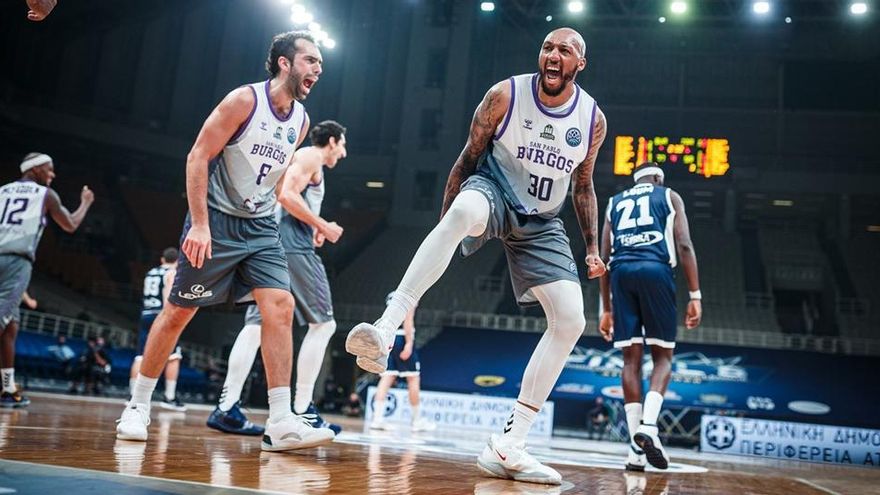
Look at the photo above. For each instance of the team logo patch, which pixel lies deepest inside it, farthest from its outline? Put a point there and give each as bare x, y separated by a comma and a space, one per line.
573, 136
548, 133
291, 135
277, 134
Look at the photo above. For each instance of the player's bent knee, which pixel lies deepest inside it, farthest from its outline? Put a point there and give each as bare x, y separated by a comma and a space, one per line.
325, 329
571, 323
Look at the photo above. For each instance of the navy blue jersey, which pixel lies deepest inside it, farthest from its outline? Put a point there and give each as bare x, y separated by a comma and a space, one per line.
641, 219
154, 285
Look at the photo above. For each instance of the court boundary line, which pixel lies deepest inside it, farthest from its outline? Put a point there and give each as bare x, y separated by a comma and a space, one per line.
817, 486
143, 476
121, 402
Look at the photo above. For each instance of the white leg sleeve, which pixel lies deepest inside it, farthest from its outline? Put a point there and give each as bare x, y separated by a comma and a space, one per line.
467, 216
241, 359
563, 303
309, 361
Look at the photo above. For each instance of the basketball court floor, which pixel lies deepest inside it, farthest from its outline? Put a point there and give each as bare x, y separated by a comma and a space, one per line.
64, 445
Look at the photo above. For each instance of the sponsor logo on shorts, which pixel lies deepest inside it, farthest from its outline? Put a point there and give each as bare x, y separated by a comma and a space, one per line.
573, 137
572, 267
642, 239
196, 291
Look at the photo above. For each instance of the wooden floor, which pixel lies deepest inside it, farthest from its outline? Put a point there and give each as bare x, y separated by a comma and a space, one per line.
59, 431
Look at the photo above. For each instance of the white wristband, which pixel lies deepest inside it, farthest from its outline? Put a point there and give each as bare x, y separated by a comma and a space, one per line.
696, 295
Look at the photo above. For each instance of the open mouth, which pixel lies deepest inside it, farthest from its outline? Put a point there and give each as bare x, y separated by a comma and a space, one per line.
552, 74
308, 83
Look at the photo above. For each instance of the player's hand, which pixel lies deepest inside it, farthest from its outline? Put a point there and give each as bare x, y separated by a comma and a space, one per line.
694, 314
31, 303
318, 238
332, 231
595, 266
86, 196
606, 326
197, 245
39, 9
406, 352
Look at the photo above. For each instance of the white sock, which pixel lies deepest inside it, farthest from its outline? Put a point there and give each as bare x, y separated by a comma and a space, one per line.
378, 410
563, 304
131, 382
468, 215
241, 359
415, 413
309, 361
519, 424
633, 418
142, 392
653, 401
170, 389
8, 379
279, 403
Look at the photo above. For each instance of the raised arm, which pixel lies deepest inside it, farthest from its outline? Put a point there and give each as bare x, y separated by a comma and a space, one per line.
487, 116
68, 221
688, 259
584, 198
217, 130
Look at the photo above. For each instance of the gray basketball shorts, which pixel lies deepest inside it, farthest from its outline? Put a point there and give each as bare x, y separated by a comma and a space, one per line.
246, 255
15, 275
538, 251
310, 288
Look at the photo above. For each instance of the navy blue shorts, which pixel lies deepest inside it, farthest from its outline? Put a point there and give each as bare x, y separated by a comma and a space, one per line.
643, 303
401, 367
146, 322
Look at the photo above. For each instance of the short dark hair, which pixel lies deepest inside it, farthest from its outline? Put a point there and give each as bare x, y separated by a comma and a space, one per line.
170, 255
284, 45
323, 131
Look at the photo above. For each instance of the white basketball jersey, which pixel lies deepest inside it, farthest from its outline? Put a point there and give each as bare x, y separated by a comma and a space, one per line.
535, 149
244, 175
21, 217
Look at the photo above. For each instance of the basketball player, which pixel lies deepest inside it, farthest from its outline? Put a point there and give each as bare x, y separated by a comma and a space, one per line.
157, 287
645, 235
529, 136
230, 236
302, 229
40, 9
23, 208
403, 362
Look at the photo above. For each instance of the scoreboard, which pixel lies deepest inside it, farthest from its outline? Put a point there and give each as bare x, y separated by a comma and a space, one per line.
706, 157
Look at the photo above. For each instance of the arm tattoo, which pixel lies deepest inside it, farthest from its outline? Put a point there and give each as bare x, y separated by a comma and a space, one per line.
482, 129
583, 194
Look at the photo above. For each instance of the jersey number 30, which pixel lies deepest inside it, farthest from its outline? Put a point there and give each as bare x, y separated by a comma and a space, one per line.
540, 187
627, 205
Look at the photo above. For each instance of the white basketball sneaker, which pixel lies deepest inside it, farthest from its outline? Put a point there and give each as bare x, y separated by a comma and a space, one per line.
423, 424
514, 463
636, 460
371, 345
292, 433
646, 438
132, 425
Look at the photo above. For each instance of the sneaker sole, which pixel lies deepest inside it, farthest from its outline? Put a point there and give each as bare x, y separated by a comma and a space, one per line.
301, 445
496, 470
654, 454
364, 341
126, 436
173, 408
370, 365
